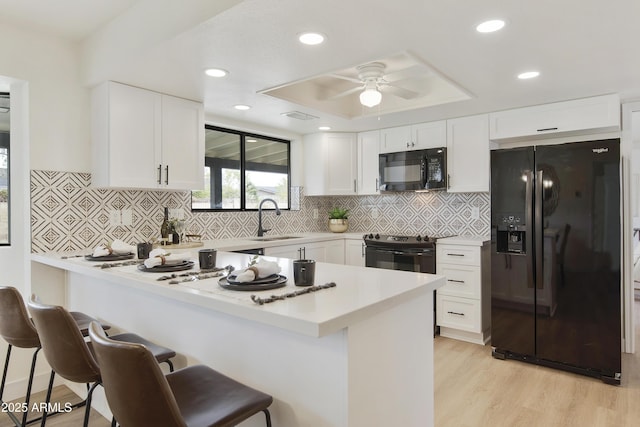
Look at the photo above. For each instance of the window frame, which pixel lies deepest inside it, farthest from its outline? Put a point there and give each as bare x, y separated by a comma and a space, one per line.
6, 143
243, 169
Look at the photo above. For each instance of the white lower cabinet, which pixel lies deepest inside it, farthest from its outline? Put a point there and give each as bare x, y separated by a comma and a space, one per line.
331, 251
463, 305
354, 252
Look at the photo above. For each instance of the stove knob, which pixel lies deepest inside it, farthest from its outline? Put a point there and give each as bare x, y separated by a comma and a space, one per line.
426, 238
418, 238
371, 235
377, 236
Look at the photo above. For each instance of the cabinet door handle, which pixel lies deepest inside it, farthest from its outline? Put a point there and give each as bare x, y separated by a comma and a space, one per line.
160, 174
377, 185
545, 129
448, 181
363, 246
355, 186
455, 281
456, 313
455, 254
166, 175
407, 145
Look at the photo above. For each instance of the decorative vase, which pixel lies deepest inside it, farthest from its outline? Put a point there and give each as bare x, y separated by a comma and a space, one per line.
338, 225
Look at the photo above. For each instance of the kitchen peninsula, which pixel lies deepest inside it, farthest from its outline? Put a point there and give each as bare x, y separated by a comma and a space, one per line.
358, 354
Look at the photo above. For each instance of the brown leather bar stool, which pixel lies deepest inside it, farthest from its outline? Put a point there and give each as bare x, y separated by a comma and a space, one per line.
70, 356
139, 394
18, 331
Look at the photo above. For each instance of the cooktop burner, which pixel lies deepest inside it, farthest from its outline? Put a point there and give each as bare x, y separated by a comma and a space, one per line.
399, 241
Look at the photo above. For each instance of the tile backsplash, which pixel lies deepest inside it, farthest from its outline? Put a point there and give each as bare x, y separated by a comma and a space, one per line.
69, 215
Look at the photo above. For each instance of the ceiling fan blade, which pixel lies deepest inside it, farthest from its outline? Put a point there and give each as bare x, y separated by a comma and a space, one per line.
344, 93
398, 91
407, 73
347, 78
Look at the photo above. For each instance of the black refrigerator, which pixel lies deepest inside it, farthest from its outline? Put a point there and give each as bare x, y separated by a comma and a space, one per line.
556, 256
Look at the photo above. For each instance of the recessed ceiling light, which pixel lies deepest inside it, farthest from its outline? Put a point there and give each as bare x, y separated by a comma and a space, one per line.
215, 72
490, 26
311, 38
528, 75
324, 128
242, 107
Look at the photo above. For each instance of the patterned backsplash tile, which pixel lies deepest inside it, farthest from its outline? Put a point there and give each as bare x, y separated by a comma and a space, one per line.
69, 215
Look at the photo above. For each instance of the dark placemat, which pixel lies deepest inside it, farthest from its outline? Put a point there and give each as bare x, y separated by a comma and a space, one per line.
252, 286
112, 257
231, 279
184, 265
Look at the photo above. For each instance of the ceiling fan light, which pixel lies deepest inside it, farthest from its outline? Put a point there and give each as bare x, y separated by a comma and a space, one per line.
370, 97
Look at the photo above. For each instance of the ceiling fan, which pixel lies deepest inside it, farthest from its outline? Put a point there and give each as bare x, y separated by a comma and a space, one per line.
373, 81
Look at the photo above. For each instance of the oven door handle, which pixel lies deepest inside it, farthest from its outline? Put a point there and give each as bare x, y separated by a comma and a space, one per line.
419, 252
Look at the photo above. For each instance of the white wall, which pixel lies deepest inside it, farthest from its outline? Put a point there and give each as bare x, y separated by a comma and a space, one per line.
58, 104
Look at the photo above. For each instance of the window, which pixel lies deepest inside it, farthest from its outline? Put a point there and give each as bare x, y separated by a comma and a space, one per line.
4, 169
242, 169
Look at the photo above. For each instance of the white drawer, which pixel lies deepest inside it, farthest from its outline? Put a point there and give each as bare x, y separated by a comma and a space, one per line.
462, 281
458, 313
458, 254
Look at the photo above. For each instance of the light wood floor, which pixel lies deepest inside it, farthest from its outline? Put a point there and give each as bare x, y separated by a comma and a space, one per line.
472, 389
74, 418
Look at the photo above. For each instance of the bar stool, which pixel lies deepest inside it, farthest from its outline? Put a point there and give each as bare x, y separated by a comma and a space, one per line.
140, 395
70, 356
18, 331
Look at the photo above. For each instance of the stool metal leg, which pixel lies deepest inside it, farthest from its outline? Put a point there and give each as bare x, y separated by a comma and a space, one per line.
267, 415
11, 415
48, 398
87, 410
4, 373
30, 384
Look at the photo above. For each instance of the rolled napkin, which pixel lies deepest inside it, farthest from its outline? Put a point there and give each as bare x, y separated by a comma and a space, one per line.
161, 257
118, 247
259, 270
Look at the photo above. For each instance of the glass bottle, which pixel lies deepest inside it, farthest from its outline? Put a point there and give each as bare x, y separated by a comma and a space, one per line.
164, 228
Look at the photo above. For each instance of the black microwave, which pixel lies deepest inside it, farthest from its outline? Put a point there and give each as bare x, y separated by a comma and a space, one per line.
419, 170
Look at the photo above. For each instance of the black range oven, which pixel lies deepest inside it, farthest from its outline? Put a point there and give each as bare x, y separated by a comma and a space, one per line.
408, 253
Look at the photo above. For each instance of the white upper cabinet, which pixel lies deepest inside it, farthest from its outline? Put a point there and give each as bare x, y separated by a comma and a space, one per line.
330, 164
368, 169
144, 139
468, 154
580, 116
415, 137
183, 143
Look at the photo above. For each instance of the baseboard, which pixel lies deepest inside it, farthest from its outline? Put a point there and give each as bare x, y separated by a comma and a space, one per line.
475, 338
17, 389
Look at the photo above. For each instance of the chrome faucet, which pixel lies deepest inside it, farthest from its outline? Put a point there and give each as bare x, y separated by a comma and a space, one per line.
261, 230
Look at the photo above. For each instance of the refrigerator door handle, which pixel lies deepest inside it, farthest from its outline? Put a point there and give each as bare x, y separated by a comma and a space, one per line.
529, 227
539, 230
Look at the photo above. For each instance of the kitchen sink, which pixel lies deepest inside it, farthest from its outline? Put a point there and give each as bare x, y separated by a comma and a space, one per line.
274, 238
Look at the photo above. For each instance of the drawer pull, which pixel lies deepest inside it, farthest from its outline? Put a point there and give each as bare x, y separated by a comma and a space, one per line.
455, 281
546, 129
455, 254
457, 314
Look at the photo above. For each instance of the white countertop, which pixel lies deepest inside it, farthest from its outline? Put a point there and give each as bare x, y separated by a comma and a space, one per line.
360, 291
468, 240
267, 241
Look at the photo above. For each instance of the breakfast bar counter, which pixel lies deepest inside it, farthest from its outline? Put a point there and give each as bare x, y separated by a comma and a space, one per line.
357, 354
